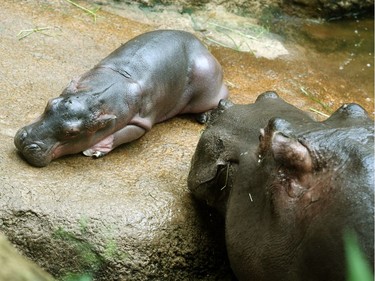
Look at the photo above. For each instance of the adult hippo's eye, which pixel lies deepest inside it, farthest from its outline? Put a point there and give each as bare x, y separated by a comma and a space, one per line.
223, 175
220, 145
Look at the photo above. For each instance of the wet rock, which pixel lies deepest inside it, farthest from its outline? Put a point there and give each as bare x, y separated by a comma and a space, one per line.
299, 8
105, 246
331, 9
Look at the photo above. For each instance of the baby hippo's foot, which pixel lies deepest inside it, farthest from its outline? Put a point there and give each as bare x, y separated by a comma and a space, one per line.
92, 153
203, 118
101, 148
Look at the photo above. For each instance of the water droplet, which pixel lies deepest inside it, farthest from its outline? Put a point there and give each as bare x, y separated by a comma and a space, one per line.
368, 65
356, 31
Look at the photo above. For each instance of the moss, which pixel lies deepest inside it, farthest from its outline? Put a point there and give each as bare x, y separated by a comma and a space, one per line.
88, 256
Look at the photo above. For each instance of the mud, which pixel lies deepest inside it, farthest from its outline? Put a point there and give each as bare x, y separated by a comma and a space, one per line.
131, 210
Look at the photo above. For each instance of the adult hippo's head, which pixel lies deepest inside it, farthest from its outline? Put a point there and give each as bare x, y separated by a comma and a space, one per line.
232, 131
68, 125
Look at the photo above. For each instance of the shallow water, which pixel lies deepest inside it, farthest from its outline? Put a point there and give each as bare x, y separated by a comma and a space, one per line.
344, 49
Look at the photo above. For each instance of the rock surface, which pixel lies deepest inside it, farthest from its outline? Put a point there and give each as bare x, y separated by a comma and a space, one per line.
129, 215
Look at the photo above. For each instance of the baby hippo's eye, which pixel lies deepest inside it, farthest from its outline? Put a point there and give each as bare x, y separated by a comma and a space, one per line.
71, 129
70, 133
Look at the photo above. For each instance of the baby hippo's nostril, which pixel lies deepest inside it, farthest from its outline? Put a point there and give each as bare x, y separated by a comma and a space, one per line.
32, 147
21, 135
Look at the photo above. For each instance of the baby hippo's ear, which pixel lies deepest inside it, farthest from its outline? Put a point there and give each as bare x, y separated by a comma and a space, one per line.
100, 122
71, 88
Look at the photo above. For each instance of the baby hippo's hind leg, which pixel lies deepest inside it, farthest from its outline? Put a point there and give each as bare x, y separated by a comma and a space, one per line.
207, 84
125, 135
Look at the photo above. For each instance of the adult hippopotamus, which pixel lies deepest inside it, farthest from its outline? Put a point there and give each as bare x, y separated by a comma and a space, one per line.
151, 78
290, 188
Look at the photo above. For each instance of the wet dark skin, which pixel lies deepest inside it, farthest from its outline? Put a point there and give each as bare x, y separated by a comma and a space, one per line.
296, 186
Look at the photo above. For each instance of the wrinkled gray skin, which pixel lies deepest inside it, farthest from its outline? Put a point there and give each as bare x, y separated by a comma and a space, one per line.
294, 187
151, 78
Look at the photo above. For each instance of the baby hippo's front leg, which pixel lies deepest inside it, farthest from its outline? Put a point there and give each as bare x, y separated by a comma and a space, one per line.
126, 134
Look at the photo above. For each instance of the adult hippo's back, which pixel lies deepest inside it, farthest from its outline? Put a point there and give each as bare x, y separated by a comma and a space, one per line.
151, 78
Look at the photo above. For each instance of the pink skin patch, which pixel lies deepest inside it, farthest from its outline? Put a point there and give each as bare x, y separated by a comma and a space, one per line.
101, 148
124, 135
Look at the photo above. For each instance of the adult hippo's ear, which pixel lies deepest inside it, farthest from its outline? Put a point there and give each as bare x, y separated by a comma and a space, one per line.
291, 153
286, 150
224, 104
294, 164
349, 115
267, 95
100, 122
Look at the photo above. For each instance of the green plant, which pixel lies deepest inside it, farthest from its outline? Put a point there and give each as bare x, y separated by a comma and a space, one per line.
312, 97
27, 32
358, 267
92, 12
91, 261
77, 277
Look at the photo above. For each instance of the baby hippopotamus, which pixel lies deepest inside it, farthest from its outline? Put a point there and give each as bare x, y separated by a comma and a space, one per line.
149, 79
